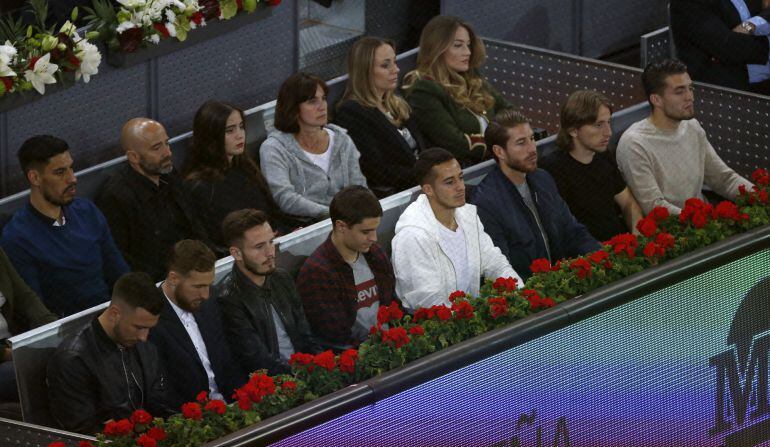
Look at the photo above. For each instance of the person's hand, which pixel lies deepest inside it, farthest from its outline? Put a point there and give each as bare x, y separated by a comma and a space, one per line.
742, 30
6, 357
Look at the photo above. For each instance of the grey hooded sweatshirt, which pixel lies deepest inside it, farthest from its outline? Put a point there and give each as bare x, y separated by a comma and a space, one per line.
299, 186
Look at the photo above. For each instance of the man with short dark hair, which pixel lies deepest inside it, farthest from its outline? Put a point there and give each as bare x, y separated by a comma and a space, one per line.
520, 204
440, 244
108, 370
190, 335
145, 203
60, 245
587, 177
347, 278
262, 311
667, 158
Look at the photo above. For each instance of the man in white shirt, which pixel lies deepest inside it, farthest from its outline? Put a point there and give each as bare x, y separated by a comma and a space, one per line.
667, 158
440, 245
189, 334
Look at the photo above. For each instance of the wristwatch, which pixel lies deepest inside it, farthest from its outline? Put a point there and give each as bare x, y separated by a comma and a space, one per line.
749, 27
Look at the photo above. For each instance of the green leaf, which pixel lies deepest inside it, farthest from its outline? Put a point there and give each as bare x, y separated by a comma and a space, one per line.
228, 9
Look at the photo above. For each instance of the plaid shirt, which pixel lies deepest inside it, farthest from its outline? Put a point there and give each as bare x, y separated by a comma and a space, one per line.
328, 290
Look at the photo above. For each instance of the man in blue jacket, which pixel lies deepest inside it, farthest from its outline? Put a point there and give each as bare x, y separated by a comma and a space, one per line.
520, 205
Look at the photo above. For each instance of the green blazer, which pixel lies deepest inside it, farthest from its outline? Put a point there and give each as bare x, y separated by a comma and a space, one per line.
446, 124
22, 309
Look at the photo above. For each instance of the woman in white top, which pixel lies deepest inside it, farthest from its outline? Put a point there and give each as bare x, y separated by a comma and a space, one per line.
306, 161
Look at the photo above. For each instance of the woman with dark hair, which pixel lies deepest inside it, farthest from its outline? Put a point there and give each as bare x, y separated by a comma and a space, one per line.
377, 119
221, 175
451, 101
307, 161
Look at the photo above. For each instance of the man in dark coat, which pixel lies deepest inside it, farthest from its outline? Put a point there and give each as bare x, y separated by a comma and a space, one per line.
724, 42
189, 335
520, 205
145, 204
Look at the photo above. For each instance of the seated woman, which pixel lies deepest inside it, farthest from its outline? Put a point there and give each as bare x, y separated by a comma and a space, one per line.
20, 310
306, 161
378, 121
221, 175
451, 101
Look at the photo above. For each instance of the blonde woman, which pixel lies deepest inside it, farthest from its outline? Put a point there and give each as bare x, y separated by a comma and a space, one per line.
450, 100
378, 120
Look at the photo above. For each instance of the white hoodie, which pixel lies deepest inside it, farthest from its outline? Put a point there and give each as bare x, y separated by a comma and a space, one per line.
425, 275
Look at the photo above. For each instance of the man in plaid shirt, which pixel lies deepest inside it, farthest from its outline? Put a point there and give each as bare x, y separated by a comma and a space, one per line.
346, 279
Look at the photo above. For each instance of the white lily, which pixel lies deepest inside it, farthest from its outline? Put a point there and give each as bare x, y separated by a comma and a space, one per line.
125, 26
42, 73
7, 54
69, 29
132, 4
90, 58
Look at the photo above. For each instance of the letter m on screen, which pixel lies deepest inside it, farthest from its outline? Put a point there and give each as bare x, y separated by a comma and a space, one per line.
741, 393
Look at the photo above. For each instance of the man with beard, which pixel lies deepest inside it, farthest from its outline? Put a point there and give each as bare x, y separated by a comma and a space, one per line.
262, 312
520, 204
144, 202
667, 158
60, 245
190, 336
440, 245
587, 177
107, 370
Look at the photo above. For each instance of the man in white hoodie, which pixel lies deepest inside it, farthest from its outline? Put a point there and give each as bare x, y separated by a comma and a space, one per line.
440, 245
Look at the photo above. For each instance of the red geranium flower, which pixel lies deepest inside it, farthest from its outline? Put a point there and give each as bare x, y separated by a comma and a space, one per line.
659, 213
536, 301
416, 330
456, 294
423, 314
118, 428
216, 406
442, 312
203, 396
647, 226
540, 265
397, 335
192, 410
57, 444
156, 433
325, 360
348, 361
760, 177
463, 310
141, 417
581, 267
665, 240
82, 444
600, 257
146, 441
624, 243
505, 284
289, 385
301, 359
498, 307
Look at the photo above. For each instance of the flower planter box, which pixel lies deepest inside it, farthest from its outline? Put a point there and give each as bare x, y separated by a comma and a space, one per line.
13, 100
168, 45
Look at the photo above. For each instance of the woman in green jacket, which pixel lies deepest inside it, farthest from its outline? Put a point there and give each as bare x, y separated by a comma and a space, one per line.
451, 101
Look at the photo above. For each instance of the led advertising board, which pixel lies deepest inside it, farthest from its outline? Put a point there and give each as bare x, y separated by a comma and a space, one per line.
685, 365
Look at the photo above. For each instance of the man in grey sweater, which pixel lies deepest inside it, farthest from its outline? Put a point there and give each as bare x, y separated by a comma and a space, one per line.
666, 158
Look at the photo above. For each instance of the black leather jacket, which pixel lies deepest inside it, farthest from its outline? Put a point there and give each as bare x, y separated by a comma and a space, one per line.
249, 324
88, 385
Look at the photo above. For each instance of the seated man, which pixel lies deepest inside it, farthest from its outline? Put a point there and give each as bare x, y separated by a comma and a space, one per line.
107, 370
60, 245
667, 158
347, 278
587, 178
20, 310
264, 320
145, 203
440, 245
724, 42
190, 336
520, 204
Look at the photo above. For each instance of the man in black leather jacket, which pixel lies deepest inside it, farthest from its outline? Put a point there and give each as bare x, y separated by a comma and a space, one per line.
262, 313
107, 370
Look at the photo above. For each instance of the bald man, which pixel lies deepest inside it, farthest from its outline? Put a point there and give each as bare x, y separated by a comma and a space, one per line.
145, 203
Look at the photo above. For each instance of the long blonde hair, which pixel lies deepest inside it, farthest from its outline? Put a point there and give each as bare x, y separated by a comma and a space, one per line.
467, 89
360, 86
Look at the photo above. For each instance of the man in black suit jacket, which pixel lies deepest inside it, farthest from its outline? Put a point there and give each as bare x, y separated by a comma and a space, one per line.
189, 335
717, 44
